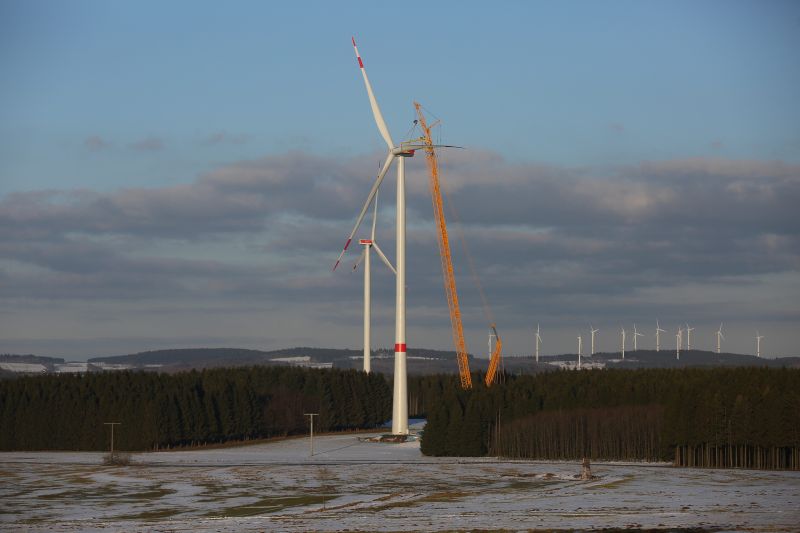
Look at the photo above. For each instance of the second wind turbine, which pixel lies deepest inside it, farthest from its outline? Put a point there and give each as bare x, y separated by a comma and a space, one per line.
368, 245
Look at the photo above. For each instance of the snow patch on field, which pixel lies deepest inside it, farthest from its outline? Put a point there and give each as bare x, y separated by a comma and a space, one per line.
358, 486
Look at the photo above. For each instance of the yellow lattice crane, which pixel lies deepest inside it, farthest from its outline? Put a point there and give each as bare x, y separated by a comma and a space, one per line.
494, 361
444, 253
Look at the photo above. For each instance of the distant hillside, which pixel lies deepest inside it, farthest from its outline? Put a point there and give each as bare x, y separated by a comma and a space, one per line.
420, 360
11, 358
667, 359
187, 357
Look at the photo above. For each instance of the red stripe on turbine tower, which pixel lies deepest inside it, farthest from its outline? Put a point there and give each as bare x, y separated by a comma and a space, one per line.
400, 348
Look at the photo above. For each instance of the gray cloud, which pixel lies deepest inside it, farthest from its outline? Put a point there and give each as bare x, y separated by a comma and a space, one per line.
566, 243
148, 144
95, 143
222, 137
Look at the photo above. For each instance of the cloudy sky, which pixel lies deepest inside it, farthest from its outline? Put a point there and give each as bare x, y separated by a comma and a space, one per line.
183, 174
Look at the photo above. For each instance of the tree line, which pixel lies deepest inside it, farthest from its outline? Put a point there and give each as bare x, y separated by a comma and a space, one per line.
156, 410
721, 417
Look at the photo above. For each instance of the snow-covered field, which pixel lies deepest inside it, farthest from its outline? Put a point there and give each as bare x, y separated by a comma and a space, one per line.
350, 485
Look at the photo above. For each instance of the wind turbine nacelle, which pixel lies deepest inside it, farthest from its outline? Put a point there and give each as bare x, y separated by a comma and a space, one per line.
402, 152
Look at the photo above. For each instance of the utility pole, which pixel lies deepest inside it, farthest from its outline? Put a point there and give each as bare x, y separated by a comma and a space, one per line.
311, 417
112, 424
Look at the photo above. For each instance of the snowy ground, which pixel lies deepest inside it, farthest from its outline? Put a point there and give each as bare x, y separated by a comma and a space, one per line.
349, 485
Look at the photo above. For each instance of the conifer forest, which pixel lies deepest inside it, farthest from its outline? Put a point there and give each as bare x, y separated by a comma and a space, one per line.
722, 417
157, 410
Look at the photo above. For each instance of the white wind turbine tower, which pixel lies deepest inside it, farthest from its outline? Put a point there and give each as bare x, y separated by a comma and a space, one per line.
689, 337
635, 334
398, 152
580, 349
758, 344
538, 341
593, 332
658, 337
368, 245
623, 342
678, 342
720, 337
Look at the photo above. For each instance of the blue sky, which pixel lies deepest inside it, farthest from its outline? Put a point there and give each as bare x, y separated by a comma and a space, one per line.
137, 106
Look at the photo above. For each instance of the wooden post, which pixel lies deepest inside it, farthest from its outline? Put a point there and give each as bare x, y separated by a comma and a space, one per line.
311, 435
112, 424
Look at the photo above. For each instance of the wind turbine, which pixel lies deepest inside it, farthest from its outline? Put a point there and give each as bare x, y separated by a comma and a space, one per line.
658, 339
623, 342
689, 337
678, 342
368, 245
593, 332
580, 349
635, 334
720, 337
538, 341
758, 344
398, 152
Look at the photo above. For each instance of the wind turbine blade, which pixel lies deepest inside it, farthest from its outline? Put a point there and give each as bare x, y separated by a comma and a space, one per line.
412, 145
370, 196
376, 111
374, 216
360, 258
383, 257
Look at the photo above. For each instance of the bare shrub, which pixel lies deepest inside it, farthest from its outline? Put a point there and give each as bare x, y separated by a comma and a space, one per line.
117, 459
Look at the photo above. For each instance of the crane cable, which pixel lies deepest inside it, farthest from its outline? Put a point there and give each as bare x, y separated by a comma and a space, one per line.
487, 309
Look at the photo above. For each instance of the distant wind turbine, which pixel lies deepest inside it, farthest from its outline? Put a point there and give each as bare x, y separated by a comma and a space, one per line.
758, 344
622, 332
580, 349
688, 337
658, 337
368, 245
538, 341
678, 342
593, 332
720, 337
635, 334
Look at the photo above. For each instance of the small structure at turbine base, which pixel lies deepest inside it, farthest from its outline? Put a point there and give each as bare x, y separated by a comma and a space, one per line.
586, 470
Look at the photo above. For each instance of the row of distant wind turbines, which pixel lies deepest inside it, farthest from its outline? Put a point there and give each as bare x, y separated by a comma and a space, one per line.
678, 340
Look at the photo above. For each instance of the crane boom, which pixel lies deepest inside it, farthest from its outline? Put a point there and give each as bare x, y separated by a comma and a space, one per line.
444, 253
494, 361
